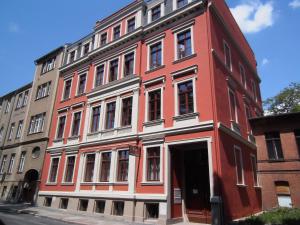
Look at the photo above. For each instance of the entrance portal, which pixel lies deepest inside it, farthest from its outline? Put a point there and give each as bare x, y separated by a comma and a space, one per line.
30, 186
190, 167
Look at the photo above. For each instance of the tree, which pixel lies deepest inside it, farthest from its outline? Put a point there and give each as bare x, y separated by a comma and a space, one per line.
287, 101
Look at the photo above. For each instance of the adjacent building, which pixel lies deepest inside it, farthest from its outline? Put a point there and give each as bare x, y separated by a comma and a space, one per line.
150, 120
278, 143
25, 120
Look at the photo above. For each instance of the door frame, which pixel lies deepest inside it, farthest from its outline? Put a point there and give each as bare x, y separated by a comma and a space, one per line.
168, 186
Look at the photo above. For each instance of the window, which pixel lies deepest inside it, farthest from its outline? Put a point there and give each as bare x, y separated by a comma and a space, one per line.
72, 56
239, 166
254, 90
181, 3
7, 107
3, 164
129, 64
283, 194
227, 54
89, 168
67, 90
1, 134
25, 99
154, 105
37, 123
184, 44
274, 146
123, 161
153, 164
64, 203
11, 163
21, 162
96, 119
48, 65
99, 76
19, 130
86, 49
117, 32
233, 107
48, 202
152, 211
105, 167
76, 124
130, 25
103, 39
155, 13
3, 191
36, 152
43, 90
155, 55
118, 208
83, 205
99, 206
113, 70
186, 97
70, 169
297, 136
110, 115
61, 127
126, 111
254, 169
53, 170
81, 84
20, 101
243, 76
11, 131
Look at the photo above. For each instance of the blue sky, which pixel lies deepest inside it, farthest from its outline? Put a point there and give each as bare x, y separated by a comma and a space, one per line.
31, 28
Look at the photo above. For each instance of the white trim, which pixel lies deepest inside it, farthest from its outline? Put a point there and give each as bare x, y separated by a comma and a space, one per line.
147, 102
225, 58
256, 183
86, 78
113, 29
235, 105
149, 45
123, 62
126, 23
84, 168
50, 168
108, 70
95, 73
72, 122
237, 148
121, 109
145, 168
64, 90
65, 167
89, 42
105, 114
243, 75
90, 118
57, 125
182, 30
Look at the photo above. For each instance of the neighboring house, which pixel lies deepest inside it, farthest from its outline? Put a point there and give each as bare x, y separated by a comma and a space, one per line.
278, 143
151, 117
26, 136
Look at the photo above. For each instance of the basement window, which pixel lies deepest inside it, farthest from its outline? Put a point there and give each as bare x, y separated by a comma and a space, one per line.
118, 209
152, 211
48, 202
64, 203
99, 206
83, 205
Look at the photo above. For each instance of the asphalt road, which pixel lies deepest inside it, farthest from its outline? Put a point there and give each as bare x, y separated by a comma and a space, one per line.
26, 219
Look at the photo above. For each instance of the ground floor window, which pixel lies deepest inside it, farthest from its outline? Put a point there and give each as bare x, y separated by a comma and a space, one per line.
118, 208
83, 205
14, 192
283, 194
48, 202
99, 206
3, 191
152, 210
64, 203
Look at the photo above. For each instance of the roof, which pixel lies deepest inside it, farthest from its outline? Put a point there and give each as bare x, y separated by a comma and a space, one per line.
23, 88
271, 119
60, 48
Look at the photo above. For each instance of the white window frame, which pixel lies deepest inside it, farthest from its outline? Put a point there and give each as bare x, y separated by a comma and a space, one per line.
175, 6
235, 103
179, 31
253, 159
145, 165
116, 166
105, 114
3, 162
123, 60
236, 148
121, 107
99, 39
230, 56
154, 42
243, 75
7, 106
162, 11
75, 55
72, 122
113, 32
11, 163
22, 162
65, 169
135, 22
63, 92
57, 172
11, 131
108, 70
89, 42
110, 180
161, 102
91, 117
95, 73
84, 168
19, 129
1, 134
86, 79
57, 125
176, 83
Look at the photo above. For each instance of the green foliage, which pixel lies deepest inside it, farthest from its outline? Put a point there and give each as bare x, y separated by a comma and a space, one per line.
287, 101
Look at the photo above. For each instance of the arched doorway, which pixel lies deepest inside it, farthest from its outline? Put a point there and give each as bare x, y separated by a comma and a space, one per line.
30, 185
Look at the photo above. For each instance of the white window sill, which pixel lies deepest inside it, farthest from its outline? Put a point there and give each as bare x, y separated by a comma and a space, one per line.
154, 183
67, 184
154, 123
187, 116
242, 185
258, 187
51, 184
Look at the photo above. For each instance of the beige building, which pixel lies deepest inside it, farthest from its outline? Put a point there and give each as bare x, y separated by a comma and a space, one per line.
22, 158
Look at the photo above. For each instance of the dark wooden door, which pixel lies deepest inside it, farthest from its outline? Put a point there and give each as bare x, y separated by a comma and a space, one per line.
197, 188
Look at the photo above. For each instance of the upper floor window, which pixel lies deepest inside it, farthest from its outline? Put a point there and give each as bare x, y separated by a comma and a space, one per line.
7, 107
25, 99
131, 25
72, 56
103, 39
67, 89
1, 134
53, 170
233, 106
3, 164
86, 49
110, 115
239, 166
155, 55
297, 136
126, 111
70, 166
129, 64
11, 131
113, 70
61, 127
95, 119
89, 168
76, 124
184, 44
154, 105
19, 130
99, 79
43, 90
243, 76
274, 146
48, 65
181, 3
254, 169
254, 90
105, 166
186, 97
21, 162
227, 54
20, 101
11, 163
37, 123
153, 164
123, 162
81, 84
155, 13
117, 32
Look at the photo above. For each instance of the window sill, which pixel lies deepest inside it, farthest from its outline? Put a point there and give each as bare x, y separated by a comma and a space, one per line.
65, 100
154, 123
185, 58
242, 185
155, 69
43, 73
67, 184
235, 127
150, 183
103, 183
124, 127
80, 95
276, 160
37, 99
40, 132
109, 130
58, 140
51, 184
258, 187
187, 116
120, 183
93, 133
73, 138
87, 183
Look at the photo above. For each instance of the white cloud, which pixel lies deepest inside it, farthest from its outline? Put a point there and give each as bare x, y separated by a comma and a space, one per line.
13, 27
254, 16
295, 4
265, 61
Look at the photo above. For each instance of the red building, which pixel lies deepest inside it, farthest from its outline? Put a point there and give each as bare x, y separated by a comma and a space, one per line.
150, 121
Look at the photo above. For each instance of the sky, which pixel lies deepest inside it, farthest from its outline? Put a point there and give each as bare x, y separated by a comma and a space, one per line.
31, 28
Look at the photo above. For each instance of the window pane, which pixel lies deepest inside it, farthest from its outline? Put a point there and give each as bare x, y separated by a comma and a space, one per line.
186, 98
154, 105
274, 145
155, 56
99, 76
89, 168
110, 115
123, 161
105, 167
153, 164
96, 119
54, 168
70, 169
155, 13
76, 124
184, 44
127, 112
